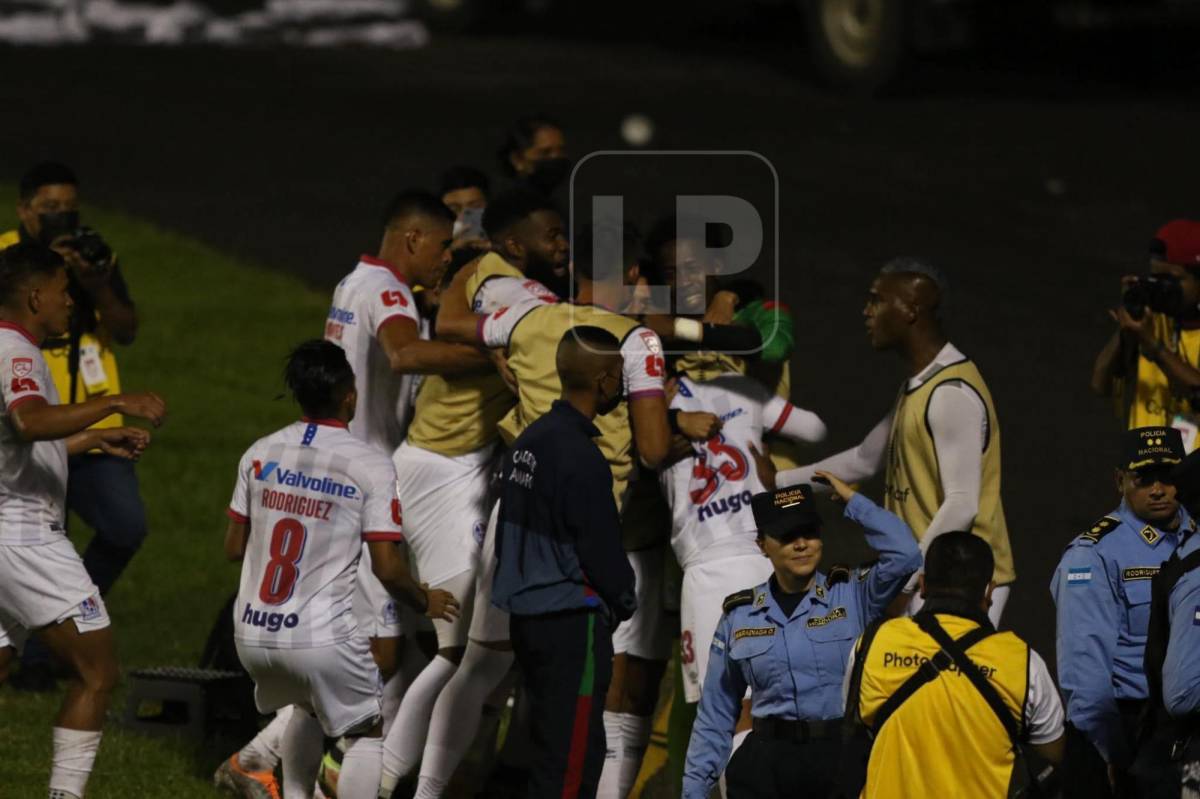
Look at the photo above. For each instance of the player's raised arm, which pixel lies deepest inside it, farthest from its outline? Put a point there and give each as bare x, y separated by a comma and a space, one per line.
408, 353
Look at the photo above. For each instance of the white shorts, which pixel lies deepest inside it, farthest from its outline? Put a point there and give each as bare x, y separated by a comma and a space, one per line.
340, 684
489, 624
444, 505
647, 634
705, 586
46, 584
377, 612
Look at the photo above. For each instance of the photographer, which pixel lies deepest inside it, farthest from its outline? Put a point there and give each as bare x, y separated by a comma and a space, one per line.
102, 490
1157, 342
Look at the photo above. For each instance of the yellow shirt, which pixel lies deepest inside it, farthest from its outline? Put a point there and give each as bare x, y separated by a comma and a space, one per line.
1154, 404
913, 485
967, 752
531, 353
457, 414
57, 360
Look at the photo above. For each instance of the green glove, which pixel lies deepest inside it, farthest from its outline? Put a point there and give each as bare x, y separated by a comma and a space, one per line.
774, 323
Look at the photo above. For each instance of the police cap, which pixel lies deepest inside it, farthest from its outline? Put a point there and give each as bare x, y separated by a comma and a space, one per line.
1148, 447
787, 513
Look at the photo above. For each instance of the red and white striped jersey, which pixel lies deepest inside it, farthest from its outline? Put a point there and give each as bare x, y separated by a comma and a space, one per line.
312, 494
374, 293
33, 476
710, 492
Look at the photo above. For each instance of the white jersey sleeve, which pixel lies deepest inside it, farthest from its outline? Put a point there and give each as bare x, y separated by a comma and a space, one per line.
504, 291
391, 300
381, 509
785, 419
496, 328
644, 365
25, 374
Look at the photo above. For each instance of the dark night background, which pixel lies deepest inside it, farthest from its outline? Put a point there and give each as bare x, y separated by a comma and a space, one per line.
1033, 168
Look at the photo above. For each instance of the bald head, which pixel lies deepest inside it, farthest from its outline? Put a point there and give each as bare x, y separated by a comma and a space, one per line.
584, 355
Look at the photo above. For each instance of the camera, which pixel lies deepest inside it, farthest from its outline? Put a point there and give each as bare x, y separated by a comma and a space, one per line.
90, 246
1160, 293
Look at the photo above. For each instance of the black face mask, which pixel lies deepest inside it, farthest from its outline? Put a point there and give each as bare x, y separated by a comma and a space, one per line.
609, 404
56, 224
549, 173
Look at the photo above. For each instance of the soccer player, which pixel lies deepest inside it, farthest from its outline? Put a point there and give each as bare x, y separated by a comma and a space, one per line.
307, 498
940, 443
374, 318
444, 464
709, 490
43, 585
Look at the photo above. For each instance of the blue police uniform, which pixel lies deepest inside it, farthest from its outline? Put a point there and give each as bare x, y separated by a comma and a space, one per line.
1181, 669
1102, 592
794, 665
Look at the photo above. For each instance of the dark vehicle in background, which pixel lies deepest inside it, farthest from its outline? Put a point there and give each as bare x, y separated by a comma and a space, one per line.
861, 45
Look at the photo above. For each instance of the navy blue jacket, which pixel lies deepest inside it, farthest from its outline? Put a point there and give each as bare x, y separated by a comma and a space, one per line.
558, 540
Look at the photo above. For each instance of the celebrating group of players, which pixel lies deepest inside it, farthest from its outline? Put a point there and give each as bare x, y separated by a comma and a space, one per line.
404, 418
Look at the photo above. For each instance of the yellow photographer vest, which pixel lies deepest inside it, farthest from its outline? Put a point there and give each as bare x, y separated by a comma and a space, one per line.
944, 740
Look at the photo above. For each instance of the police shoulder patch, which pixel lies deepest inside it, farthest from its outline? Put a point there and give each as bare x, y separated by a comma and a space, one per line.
1100, 529
838, 573
736, 600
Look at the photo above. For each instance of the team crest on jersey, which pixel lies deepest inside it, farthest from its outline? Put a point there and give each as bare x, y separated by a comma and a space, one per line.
89, 609
22, 367
391, 613
651, 341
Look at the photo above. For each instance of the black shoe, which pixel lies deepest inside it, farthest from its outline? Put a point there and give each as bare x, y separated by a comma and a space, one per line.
34, 680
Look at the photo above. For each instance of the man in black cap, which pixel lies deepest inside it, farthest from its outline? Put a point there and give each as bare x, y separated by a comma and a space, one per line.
788, 640
1102, 591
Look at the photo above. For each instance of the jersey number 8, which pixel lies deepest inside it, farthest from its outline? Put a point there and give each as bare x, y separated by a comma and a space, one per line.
287, 547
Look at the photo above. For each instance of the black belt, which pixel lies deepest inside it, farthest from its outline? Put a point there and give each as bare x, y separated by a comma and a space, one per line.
799, 730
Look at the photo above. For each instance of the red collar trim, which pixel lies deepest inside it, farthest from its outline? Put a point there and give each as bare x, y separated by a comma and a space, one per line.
326, 422
19, 329
371, 260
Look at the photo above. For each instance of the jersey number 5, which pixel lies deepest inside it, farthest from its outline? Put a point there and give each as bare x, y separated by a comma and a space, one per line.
287, 547
655, 365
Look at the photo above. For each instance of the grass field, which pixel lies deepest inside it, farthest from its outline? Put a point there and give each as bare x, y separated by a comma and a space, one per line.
213, 335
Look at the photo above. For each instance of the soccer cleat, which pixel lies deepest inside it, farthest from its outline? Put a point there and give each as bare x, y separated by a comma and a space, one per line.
246, 784
327, 777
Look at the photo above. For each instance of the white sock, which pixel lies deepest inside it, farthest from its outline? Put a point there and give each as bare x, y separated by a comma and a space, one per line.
74, 754
412, 662
263, 751
614, 754
635, 737
303, 746
455, 719
359, 778
405, 740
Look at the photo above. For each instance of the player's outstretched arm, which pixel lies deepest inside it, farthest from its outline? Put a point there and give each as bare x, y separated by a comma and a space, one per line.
390, 565
408, 353
37, 420
123, 442
455, 319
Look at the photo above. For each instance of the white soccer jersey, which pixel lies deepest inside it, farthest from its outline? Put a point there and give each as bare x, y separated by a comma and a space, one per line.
371, 295
710, 492
33, 476
312, 493
503, 291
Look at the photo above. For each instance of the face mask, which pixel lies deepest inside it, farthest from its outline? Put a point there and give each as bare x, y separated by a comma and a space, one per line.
609, 404
56, 224
548, 173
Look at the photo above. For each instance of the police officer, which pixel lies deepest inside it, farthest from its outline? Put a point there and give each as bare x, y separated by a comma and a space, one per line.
788, 640
1102, 592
